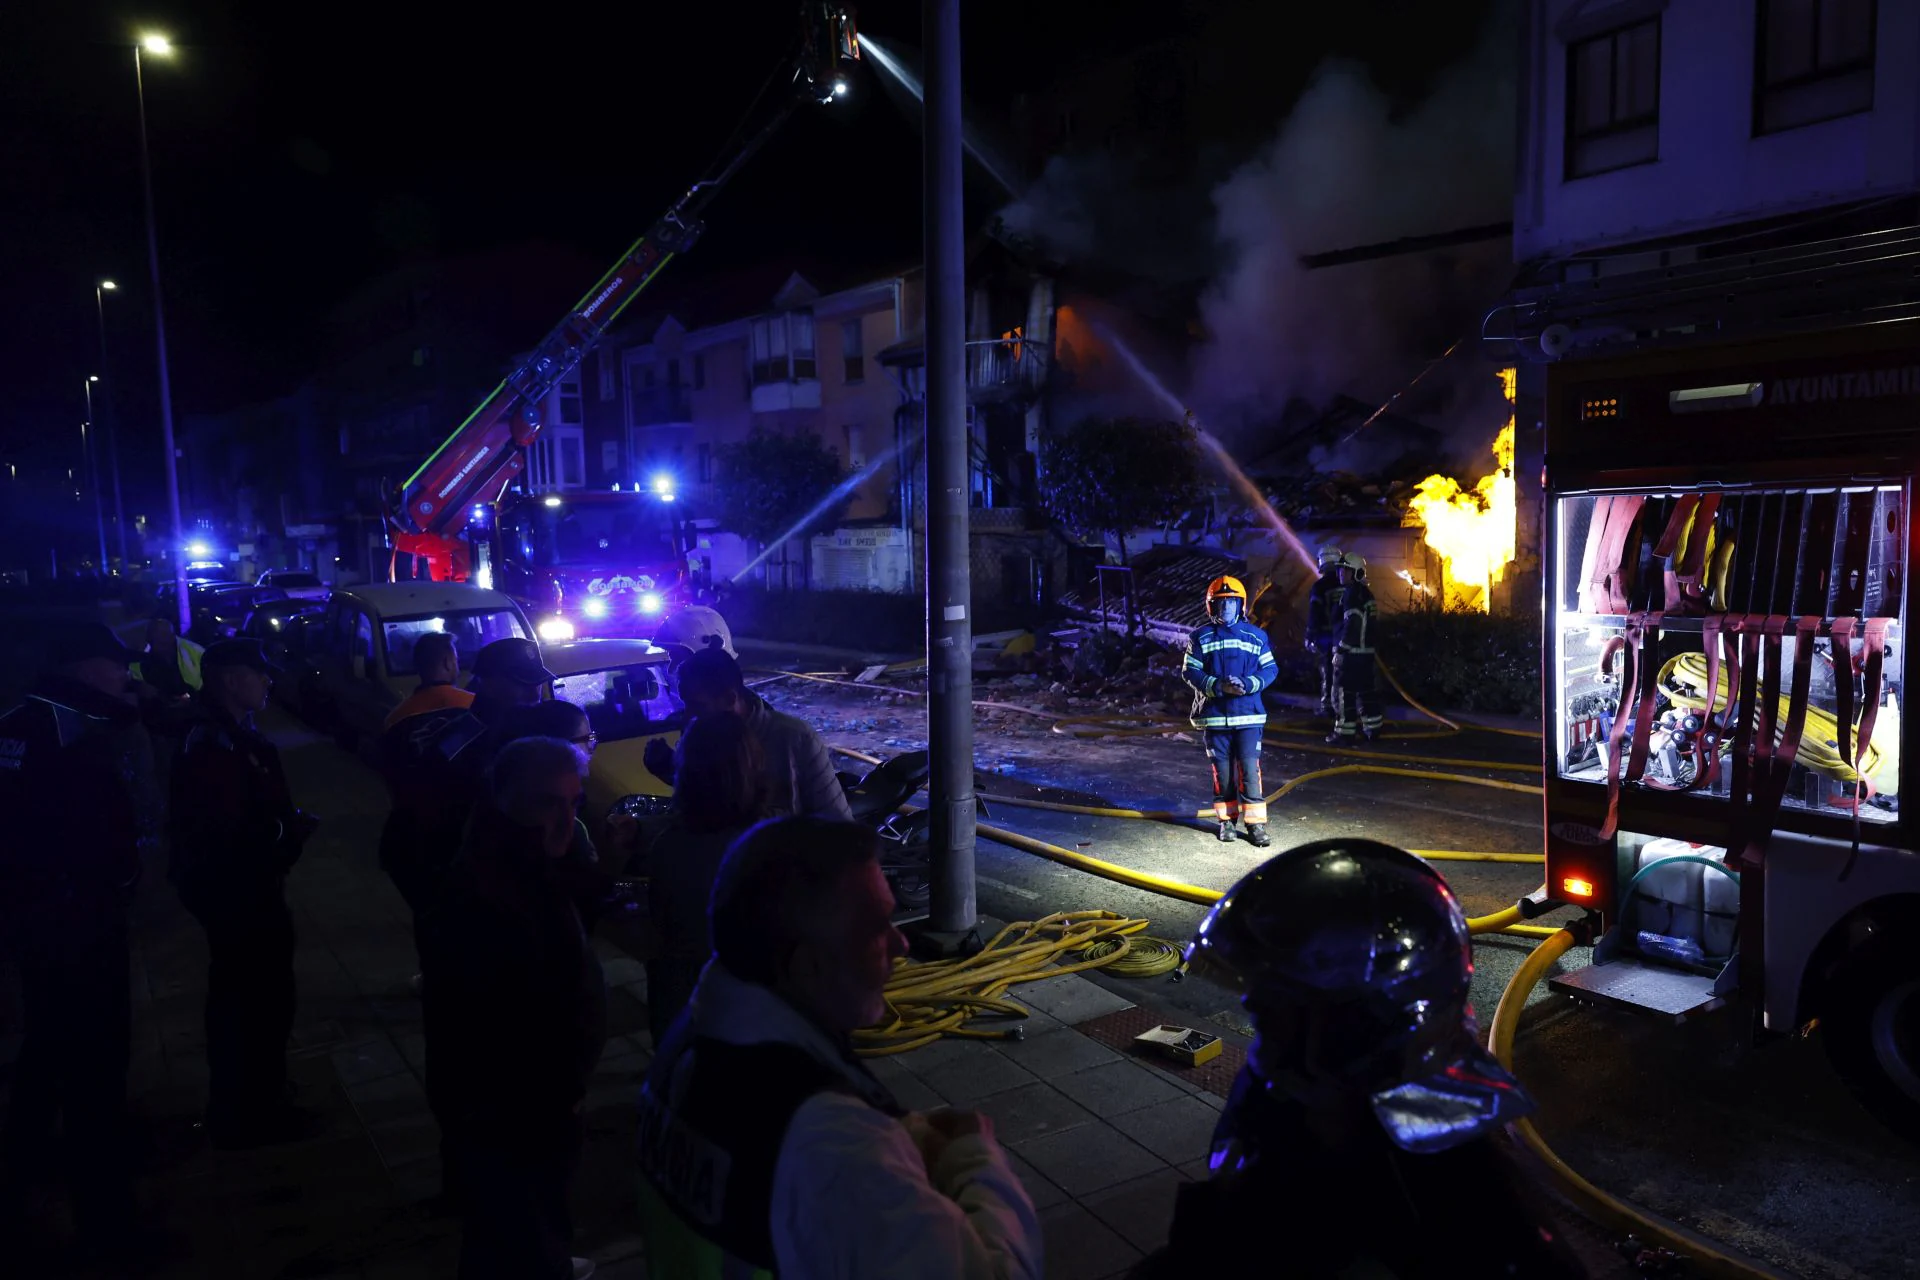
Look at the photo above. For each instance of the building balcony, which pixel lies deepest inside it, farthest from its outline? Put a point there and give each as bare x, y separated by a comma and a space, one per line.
998, 369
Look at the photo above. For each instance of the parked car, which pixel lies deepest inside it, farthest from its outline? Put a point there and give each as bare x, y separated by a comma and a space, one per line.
293, 646
269, 618
231, 606
364, 652
197, 591
622, 686
300, 584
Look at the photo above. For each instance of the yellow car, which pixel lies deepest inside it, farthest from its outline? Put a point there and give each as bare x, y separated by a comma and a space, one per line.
622, 686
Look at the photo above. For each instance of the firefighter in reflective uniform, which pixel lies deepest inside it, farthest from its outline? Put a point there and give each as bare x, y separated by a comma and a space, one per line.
1228, 663
1323, 621
1356, 701
1366, 1085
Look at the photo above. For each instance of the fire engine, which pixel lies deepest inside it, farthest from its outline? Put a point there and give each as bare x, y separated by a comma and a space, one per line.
589, 563
1728, 559
572, 561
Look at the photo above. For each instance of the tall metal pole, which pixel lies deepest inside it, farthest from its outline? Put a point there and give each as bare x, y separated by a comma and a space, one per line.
112, 429
87, 454
177, 551
949, 595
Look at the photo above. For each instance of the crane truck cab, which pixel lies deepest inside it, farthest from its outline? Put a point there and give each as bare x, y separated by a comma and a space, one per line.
1728, 561
587, 563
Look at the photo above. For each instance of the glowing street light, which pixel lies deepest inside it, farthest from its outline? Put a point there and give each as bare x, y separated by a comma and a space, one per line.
108, 285
161, 47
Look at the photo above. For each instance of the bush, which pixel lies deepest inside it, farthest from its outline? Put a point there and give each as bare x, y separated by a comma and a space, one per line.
874, 621
1464, 661
1450, 661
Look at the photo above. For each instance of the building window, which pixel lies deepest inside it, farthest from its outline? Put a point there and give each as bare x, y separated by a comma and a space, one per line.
783, 349
570, 403
610, 457
856, 447
852, 353
1613, 100
704, 463
700, 373
1813, 62
673, 375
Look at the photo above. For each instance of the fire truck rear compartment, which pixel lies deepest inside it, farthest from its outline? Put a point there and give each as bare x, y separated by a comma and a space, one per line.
1678, 918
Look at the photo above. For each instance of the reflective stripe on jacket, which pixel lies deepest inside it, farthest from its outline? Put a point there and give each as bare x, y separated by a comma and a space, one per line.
189, 663
1356, 628
1223, 650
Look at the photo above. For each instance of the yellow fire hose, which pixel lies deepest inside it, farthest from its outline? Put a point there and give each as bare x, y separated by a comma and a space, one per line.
1504, 921
1619, 1215
1163, 815
926, 1001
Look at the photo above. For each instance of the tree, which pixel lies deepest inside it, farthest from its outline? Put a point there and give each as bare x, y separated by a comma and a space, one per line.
1105, 477
775, 487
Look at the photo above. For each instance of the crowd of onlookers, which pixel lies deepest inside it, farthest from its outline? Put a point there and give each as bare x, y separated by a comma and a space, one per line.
764, 1143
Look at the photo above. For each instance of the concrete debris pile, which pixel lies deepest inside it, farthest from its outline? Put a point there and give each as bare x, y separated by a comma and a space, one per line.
1088, 672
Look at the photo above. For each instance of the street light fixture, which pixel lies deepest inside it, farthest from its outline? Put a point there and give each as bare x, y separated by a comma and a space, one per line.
161, 47
100, 290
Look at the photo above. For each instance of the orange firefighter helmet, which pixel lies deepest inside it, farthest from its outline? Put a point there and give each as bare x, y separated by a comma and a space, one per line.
1225, 587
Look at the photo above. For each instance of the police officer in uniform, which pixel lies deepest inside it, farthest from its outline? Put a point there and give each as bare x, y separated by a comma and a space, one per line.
73, 756
1324, 620
236, 833
1228, 663
1356, 695
1361, 1138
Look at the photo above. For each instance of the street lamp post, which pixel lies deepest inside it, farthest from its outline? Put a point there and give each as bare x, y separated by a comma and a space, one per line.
93, 471
160, 46
100, 290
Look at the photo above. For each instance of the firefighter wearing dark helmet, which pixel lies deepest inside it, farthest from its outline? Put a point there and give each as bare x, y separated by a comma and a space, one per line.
1228, 663
1362, 1133
1355, 694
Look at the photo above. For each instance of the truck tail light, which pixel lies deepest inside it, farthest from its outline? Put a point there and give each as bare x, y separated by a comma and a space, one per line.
1575, 887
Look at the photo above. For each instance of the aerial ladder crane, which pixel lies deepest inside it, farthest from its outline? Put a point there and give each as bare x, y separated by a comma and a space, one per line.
428, 514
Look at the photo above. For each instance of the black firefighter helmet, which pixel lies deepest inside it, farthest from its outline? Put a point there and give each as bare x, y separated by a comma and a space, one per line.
1354, 961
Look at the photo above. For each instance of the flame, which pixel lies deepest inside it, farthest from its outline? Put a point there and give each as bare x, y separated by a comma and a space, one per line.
1473, 529
1407, 578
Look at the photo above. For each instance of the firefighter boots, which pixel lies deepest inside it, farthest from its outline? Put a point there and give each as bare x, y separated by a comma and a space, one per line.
1225, 832
1257, 835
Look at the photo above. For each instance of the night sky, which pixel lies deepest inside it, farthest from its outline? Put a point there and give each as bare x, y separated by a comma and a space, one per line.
299, 150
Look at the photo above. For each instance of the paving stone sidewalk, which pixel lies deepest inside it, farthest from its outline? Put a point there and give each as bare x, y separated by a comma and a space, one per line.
1101, 1139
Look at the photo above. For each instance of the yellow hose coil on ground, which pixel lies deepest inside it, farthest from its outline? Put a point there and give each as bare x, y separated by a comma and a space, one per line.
926, 1001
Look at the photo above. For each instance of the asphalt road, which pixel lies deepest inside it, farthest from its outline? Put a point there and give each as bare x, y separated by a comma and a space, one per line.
1761, 1149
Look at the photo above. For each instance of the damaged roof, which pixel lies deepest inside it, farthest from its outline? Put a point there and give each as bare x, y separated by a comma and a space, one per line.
1169, 587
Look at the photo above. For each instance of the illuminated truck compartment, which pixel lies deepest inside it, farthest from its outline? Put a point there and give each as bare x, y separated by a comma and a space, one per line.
1710, 611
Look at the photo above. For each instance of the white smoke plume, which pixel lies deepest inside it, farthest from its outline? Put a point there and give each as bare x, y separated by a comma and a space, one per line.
1345, 172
